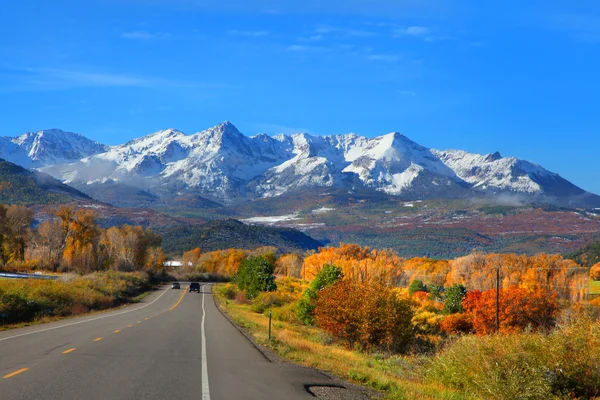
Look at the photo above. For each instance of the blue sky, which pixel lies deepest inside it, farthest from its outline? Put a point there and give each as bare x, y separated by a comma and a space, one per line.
508, 76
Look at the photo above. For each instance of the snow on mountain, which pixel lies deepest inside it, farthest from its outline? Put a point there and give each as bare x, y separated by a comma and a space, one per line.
495, 172
392, 162
223, 164
50, 146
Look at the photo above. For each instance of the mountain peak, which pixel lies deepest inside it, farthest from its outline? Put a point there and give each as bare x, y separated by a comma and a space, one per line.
493, 157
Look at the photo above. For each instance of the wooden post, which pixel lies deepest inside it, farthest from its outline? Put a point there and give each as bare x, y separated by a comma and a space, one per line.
270, 316
497, 300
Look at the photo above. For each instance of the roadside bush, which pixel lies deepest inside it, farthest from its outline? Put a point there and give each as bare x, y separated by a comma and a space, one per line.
29, 299
524, 366
268, 300
455, 324
367, 315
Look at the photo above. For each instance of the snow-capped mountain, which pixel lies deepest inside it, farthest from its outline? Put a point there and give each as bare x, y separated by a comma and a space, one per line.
45, 147
222, 164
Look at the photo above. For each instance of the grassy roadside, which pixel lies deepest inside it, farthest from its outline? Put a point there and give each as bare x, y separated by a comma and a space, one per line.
397, 377
31, 302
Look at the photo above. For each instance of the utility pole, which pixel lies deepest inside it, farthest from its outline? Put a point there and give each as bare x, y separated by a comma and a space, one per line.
497, 300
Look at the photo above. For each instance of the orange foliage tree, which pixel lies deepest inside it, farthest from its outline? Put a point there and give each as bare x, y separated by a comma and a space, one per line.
366, 314
519, 308
289, 265
551, 272
360, 264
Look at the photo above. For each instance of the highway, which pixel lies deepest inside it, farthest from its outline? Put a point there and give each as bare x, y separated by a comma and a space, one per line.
173, 345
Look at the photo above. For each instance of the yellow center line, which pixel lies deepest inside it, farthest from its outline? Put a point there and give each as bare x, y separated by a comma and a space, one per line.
16, 373
139, 322
97, 339
145, 319
179, 301
68, 351
117, 331
130, 325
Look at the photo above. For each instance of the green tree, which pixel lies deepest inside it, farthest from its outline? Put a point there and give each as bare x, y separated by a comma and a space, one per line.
435, 291
326, 277
455, 295
417, 286
256, 275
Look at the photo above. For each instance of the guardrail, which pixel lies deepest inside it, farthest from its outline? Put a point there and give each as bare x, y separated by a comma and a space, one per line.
10, 275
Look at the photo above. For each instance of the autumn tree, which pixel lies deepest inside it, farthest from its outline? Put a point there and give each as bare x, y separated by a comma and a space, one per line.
519, 308
329, 275
289, 265
17, 221
191, 258
155, 261
49, 243
367, 314
359, 264
82, 234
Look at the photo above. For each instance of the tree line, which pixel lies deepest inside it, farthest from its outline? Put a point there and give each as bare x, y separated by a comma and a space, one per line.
71, 240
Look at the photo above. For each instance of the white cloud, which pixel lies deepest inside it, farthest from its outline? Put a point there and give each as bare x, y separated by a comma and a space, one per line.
235, 32
384, 57
304, 48
313, 38
422, 32
143, 35
350, 32
36, 79
413, 31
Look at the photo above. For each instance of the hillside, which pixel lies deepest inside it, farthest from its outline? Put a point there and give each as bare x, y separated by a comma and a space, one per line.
21, 186
230, 233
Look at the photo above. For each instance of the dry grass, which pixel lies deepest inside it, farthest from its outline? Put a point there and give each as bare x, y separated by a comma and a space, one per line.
30, 300
397, 377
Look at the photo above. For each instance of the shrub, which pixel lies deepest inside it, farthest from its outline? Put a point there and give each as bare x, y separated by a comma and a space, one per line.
454, 324
524, 366
268, 300
26, 300
365, 314
256, 275
519, 309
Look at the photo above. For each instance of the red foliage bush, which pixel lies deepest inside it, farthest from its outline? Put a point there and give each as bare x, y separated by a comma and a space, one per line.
456, 323
365, 314
420, 296
518, 308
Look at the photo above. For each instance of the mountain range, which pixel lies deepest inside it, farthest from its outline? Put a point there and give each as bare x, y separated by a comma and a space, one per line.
222, 165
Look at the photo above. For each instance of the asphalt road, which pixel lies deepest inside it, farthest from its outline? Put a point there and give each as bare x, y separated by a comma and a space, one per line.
174, 345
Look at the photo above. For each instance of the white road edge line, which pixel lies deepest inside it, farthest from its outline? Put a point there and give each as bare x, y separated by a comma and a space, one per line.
205, 389
87, 320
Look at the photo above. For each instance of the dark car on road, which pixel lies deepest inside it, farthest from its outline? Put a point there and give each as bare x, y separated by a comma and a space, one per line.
175, 285
194, 287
